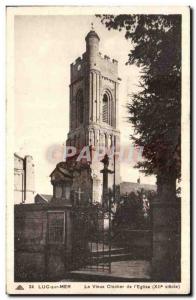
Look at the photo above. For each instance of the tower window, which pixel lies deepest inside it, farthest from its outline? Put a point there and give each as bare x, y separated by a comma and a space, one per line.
105, 108
79, 108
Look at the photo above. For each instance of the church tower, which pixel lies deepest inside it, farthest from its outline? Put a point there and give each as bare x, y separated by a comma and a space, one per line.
94, 109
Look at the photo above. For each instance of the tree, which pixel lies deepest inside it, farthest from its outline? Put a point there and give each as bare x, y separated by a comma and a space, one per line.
155, 111
131, 211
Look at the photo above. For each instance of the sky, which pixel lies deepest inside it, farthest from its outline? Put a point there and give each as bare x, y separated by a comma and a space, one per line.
45, 46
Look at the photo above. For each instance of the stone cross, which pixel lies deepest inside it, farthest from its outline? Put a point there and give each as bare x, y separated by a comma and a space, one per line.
105, 172
79, 192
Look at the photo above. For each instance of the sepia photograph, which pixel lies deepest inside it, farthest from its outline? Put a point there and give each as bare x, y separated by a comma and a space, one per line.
98, 128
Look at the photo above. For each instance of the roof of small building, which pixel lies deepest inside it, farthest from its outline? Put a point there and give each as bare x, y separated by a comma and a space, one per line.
19, 157
128, 187
60, 172
43, 198
22, 158
65, 169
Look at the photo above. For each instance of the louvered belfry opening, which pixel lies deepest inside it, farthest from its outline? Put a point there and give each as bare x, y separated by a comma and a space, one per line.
105, 113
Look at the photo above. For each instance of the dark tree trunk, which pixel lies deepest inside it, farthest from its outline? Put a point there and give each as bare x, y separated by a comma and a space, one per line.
166, 186
166, 230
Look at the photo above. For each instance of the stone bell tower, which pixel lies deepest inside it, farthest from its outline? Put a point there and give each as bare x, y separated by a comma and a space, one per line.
94, 109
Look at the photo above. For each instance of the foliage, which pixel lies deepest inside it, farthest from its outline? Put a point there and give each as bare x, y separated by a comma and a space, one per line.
130, 211
155, 111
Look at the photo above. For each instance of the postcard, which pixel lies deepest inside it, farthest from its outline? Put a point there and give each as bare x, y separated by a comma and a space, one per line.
98, 150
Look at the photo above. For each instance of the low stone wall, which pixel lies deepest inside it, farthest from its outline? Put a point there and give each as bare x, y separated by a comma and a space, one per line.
29, 266
38, 256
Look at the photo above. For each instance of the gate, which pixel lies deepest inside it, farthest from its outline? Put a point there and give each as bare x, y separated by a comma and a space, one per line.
91, 238
55, 249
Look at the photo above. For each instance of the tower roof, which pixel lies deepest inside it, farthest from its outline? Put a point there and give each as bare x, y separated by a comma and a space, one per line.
92, 33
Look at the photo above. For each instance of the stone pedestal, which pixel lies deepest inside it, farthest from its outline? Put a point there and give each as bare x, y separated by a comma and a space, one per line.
166, 241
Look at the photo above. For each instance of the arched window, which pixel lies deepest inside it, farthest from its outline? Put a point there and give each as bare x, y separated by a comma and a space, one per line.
58, 191
107, 108
79, 108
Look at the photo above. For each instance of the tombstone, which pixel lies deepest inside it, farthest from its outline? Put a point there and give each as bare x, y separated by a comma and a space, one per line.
61, 179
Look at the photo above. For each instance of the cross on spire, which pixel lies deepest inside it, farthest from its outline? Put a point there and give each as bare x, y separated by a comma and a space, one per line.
92, 26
